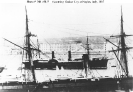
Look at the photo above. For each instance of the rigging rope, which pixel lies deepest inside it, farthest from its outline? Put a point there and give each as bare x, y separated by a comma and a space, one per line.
71, 28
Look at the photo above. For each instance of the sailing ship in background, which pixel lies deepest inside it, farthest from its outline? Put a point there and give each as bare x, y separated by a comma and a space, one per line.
30, 83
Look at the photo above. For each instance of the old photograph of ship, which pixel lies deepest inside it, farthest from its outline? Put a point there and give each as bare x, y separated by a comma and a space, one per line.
66, 47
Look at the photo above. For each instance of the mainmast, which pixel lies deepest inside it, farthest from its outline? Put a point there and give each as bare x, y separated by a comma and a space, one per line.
28, 47
86, 59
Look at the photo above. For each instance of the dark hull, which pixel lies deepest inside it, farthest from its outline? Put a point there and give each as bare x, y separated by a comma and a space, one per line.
79, 85
94, 64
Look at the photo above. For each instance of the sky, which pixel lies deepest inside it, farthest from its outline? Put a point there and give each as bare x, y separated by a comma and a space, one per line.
63, 20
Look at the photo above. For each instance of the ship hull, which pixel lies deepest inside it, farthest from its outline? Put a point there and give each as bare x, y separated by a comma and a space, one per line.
68, 85
94, 64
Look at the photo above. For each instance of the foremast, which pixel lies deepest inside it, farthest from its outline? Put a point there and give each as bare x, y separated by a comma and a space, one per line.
28, 47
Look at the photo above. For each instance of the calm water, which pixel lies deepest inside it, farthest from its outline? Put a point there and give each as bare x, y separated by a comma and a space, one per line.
43, 75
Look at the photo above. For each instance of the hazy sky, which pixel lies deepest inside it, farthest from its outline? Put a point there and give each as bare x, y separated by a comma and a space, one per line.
63, 20
60, 20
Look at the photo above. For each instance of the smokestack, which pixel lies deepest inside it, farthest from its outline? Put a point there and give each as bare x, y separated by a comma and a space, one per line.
69, 56
53, 55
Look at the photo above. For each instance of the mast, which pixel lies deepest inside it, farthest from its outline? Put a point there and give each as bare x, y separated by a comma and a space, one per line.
88, 48
38, 45
123, 45
28, 46
86, 59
